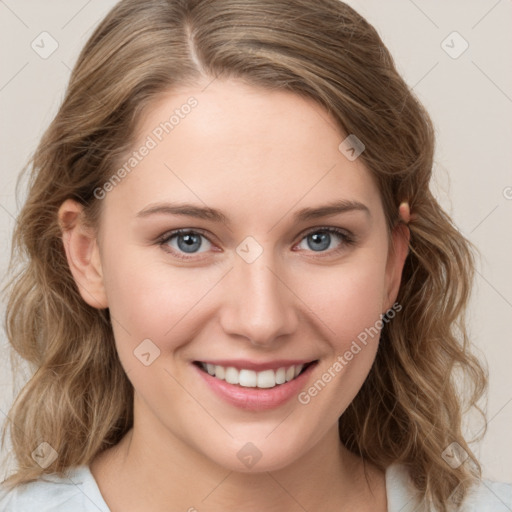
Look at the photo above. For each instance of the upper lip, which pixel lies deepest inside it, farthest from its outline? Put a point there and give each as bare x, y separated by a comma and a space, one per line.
245, 364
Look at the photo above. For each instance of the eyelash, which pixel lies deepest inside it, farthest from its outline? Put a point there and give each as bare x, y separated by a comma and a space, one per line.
348, 239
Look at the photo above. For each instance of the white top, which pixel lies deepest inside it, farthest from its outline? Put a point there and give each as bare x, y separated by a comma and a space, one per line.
80, 493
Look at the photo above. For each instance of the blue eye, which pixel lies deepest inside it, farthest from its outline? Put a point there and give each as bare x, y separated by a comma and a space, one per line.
186, 241
320, 239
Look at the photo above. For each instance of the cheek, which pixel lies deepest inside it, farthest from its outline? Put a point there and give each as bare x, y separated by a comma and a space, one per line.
153, 301
347, 299
349, 303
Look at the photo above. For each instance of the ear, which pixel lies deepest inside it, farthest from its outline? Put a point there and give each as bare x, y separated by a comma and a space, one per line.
397, 254
82, 253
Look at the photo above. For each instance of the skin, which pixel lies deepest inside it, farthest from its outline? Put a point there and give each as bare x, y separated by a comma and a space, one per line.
258, 156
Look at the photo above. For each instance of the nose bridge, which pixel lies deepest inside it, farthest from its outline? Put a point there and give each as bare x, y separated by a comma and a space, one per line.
258, 306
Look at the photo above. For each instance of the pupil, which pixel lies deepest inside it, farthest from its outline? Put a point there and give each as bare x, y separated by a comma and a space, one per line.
321, 241
189, 242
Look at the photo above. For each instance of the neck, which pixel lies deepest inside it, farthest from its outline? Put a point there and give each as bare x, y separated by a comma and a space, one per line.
151, 470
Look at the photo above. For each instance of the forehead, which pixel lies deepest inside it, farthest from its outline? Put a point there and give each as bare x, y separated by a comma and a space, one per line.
233, 145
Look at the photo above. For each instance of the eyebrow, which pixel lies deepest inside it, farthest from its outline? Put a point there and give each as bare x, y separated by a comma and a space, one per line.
207, 213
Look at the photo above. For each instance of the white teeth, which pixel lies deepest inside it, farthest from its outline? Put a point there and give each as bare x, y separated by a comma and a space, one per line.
220, 373
267, 379
251, 379
248, 378
231, 375
281, 376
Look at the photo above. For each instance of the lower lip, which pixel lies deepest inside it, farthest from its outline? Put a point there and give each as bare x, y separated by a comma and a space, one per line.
256, 399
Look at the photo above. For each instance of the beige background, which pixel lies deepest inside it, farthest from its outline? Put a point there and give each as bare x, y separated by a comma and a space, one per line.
469, 98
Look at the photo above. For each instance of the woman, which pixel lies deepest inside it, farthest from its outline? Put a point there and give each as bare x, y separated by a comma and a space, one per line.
239, 291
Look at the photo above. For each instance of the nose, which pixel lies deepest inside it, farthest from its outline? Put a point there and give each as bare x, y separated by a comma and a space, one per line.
257, 304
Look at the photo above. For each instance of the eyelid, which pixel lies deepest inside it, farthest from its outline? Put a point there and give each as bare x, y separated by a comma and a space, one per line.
168, 234
329, 229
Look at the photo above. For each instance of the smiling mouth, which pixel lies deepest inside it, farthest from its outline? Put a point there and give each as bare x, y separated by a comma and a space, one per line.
265, 379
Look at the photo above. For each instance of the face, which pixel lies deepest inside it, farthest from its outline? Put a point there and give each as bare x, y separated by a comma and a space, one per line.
243, 246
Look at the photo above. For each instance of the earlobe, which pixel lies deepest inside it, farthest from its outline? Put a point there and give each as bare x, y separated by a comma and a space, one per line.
82, 253
397, 255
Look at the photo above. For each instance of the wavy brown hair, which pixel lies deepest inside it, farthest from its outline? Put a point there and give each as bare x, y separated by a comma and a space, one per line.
79, 399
